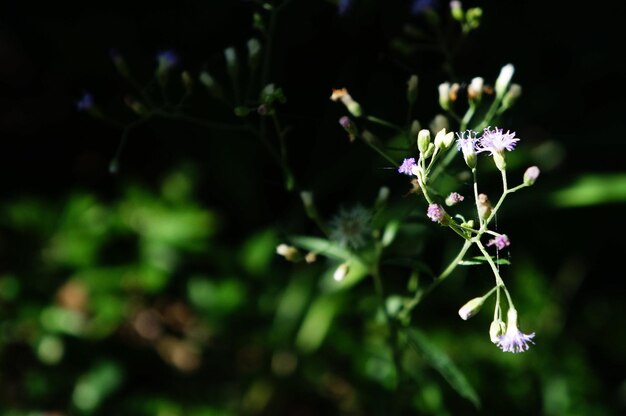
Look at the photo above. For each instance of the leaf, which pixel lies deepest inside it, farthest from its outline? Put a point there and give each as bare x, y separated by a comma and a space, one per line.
322, 246
482, 259
443, 364
590, 190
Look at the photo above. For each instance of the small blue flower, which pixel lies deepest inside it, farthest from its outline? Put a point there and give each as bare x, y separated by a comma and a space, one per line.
344, 7
167, 60
420, 6
85, 103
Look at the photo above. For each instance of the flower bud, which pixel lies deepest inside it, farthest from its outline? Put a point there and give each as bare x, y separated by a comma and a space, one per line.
383, 196
415, 128
531, 175
500, 160
310, 257
444, 95
444, 140
349, 127
186, 80
475, 89
423, 140
503, 80
254, 52
439, 122
290, 253
453, 199
496, 329
411, 90
207, 80
353, 107
429, 152
456, 10
120, 63
471, 308
511, 96
341, 272
484, 206
231, 61
473, 16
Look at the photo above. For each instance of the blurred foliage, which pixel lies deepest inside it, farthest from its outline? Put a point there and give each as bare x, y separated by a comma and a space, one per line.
166, 295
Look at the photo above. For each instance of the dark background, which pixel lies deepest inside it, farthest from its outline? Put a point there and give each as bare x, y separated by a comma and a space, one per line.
568, 58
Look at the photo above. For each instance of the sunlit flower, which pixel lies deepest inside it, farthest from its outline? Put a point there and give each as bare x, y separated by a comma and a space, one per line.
495, 141
454, 198
436, 213
407, 166
466, 143
513, 339
500, 241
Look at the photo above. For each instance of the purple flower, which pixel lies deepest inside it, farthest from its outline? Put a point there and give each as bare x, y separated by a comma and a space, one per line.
496, 141
344, 7
500, 242
85, 103
454, 198
167, 59
513, 339
407, 166
420, 6
436, 213
345, 122
466, 142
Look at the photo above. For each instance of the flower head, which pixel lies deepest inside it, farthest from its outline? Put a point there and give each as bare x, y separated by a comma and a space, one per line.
466, 143
436, 213
167, 60
454, 198
513, 339
531, 175
407, 166
85, 103
495, 141
500, 242
351, 227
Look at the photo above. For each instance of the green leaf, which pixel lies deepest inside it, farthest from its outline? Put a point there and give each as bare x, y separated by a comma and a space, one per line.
443, 364
591, 190
322, 246
317, 322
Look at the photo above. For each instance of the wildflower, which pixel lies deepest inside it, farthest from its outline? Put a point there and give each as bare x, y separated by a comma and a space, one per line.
484, 206
351, 227
496, 142
503, 80
444, 95
421, 6
500, 241
475, 89
513, 339
436, 213
85, 103
407, 166
466, 142
531, 175
349, 127
456, 10
342, 95
444, 140
166, 60
471, 308
454, 198
496, 329
344, 7
290, 253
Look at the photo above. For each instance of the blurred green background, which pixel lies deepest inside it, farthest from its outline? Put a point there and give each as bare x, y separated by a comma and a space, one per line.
157, 290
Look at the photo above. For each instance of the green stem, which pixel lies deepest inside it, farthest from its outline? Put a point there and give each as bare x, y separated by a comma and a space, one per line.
480, 218
384, 123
